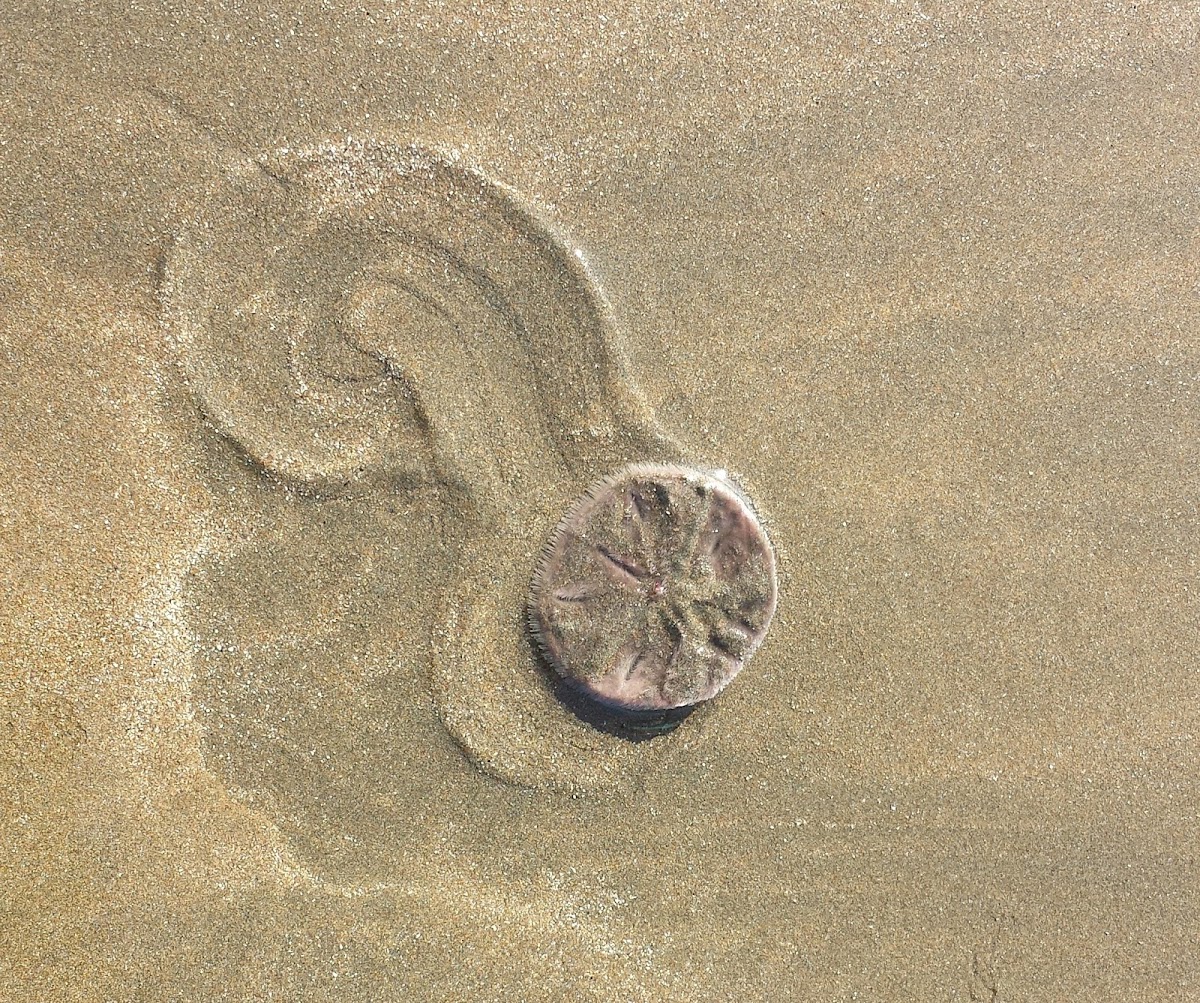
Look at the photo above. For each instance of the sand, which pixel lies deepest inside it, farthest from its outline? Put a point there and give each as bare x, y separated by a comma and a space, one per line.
270, 727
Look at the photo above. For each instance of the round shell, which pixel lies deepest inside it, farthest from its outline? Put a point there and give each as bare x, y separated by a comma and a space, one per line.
655, 588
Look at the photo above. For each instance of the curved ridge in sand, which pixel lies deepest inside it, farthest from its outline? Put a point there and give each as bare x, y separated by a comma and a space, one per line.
364, 317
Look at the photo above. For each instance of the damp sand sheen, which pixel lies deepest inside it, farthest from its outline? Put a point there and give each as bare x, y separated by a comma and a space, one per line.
365, 318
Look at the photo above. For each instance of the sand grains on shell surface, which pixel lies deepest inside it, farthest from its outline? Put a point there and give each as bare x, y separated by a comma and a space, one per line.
655, 588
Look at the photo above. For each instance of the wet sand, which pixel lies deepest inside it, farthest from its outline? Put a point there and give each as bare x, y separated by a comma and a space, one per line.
926, 282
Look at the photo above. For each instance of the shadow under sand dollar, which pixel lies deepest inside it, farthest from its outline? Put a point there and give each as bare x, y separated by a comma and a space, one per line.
375, 324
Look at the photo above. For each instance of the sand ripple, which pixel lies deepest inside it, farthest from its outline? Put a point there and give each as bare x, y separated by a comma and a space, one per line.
368, 319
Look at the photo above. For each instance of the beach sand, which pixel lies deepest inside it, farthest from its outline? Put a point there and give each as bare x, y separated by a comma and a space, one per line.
927, 282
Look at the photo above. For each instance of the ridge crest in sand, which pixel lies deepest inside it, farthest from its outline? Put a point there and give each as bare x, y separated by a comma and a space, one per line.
366, 317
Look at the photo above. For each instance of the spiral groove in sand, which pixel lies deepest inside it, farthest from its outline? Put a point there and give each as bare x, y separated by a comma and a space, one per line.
367, 317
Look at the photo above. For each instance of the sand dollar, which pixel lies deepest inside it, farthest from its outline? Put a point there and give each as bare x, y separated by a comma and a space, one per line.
655, 588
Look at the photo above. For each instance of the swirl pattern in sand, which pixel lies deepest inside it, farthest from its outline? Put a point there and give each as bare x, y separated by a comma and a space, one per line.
364, 318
